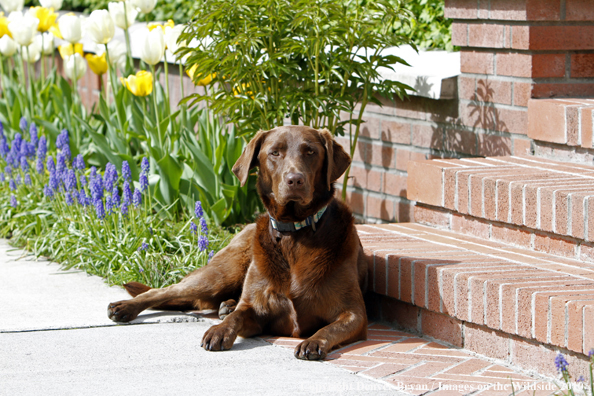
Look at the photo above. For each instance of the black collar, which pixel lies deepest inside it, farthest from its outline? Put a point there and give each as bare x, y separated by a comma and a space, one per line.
296, 226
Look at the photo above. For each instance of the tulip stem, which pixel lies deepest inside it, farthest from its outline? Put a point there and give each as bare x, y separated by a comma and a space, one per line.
156, 107
181, 79
129, 62
42, 61
1, 75
30, 82
166, 77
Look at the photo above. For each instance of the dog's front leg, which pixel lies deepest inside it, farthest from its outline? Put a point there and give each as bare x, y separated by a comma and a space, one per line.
243, 321
350, 326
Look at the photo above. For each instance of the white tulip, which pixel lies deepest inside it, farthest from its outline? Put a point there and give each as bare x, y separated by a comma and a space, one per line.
23, 28
171, 36
116, 10
144, 6
75, 67
45, 41
100, 26
12, 5
152, 46
55, 4
32, 52
70, 27
7, 46
117, 54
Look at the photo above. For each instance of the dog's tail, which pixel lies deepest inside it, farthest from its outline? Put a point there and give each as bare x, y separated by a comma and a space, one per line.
177, 304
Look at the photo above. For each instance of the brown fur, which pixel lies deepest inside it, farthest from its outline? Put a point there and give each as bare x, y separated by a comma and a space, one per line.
307, 283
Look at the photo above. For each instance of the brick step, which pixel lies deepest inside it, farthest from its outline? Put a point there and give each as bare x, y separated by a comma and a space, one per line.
527, 201
491, 298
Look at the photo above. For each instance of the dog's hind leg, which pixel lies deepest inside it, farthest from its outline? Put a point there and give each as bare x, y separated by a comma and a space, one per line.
205, 288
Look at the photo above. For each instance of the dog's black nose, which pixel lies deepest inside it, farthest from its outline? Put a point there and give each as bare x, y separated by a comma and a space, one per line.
295, 180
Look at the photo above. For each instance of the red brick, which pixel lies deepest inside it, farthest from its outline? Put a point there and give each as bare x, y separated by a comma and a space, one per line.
588, 324
395, 184
582, 65
405, 315
382, 155
385, 369
380, 208
511, 235
546, 120
561, 38
462, 141
521, 146
552, 245
461, 9
470, 226
579, 10
432, 216
395, 132
486, 35
476, 62
543, 10
468, 367
522, 92
485, 341
403, 156
587, 130
355, 201
548, 65
494, 91
370, 128
363, 347
513, 64
520, 37
460, 34
425, 182
442, 327
428, 136
490, 145
550, 90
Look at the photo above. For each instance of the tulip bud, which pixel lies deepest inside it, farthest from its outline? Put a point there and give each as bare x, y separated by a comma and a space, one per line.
97, 63
7, 46
75, 67
152, 46
70, 28
100, 26
140, 84
171, 36
122, 18
55, 4
12, 5
45, 42
144, 6
23, 28
47, 17
32, 52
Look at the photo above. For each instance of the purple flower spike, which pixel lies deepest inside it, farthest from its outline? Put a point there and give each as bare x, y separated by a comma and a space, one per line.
193, 228
23, 124
203, 226
202, 243
145, 165
143, 182
198, 211
13, 201
137, 198
561, 364
126, 171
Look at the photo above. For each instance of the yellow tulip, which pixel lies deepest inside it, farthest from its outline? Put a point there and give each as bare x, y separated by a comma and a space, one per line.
154, 25
47, 17
66, 50
4, 25
140, 84
169, 23
203, 82
97, 63
55, 30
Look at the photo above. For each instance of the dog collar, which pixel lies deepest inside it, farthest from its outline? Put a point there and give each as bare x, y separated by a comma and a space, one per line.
296, 226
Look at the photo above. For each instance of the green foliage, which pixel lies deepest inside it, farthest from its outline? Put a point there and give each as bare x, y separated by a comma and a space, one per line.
427, 28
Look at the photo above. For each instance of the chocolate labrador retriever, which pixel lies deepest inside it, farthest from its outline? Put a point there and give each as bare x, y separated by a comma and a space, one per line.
299, 271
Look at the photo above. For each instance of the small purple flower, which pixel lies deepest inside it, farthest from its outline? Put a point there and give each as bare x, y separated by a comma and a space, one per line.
33, 134
127, 193
115, 196
137, 198
143, 182
8, 170
108, 205
42, 148
66, 152
145, 165
51, 165
96, 187
47, 191
12, 185
124, 207
17, 179
83, 180
27, 179
39, 166
2, 178
1, 130
111, 176
79, 162
23, 124
99, 209
198, 211
13, 201
203, 226
61, 165
24, 164
591, 353
69, 200
126, 171
581, 379
4, 149
193, 228
143, 247
202, 243
93, 172
561, 364
63, 139
70, 180
82, 198
210, 255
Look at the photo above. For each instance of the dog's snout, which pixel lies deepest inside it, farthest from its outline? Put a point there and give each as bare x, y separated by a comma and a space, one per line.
295, 180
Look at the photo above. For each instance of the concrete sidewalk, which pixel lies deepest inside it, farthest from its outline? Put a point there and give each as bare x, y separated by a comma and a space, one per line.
56, 339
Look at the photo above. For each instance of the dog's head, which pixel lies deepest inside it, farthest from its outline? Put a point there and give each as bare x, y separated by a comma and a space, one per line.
297, 164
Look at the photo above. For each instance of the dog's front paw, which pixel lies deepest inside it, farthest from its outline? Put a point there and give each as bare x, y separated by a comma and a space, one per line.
312, 349
219, 338
226, 308
121, 311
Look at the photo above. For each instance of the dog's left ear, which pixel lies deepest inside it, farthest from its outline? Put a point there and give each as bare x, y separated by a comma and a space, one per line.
337, 159
249, 157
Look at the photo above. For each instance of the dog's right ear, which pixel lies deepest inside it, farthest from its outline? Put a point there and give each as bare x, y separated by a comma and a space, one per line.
249, 158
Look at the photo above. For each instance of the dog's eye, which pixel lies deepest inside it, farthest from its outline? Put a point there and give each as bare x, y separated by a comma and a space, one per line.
275, 153
310, 152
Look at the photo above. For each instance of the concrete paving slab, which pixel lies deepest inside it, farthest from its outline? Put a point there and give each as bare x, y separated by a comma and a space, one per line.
37, 294
162, 359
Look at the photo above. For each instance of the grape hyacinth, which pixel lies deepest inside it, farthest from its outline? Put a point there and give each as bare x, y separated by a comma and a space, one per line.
126, 171
145, 165
23, 124
143, 182
51, 165
83, 180
210, 255
39, 166
124, 207
198, 211
203, 226
561, 364
193, 228
2, 178
12, 185
68, 197
13, 201
63, 139
27, 179
143, 247
202, 243
17, 179
79, 162
127, 193
24, 164
47, 191
115, 196
4, 149
111, 176
70, 180
99, 209
33, 134
108, 205
137, 198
